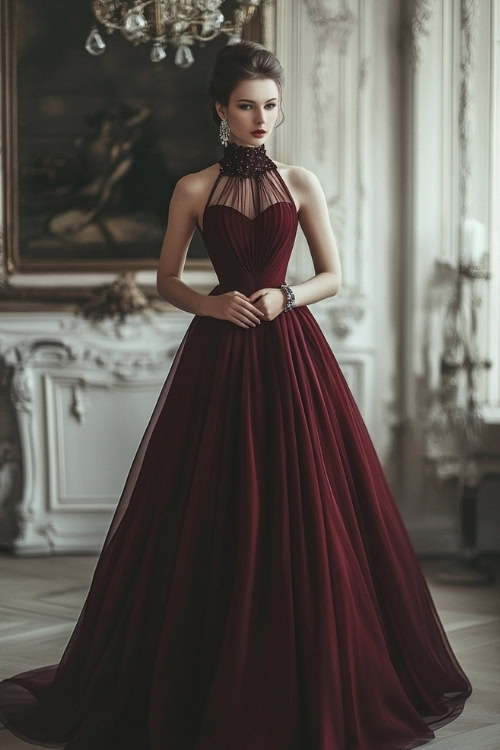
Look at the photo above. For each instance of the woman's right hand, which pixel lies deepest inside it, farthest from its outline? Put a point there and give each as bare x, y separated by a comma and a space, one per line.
234, 307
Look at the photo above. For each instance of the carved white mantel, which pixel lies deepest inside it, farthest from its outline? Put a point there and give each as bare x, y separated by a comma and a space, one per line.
82, 397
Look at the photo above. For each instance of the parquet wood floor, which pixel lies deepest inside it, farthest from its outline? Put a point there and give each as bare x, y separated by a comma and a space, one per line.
40, 599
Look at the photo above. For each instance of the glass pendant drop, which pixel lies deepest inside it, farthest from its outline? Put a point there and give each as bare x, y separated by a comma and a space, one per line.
157, 53
95, 44
135, 23
183, 56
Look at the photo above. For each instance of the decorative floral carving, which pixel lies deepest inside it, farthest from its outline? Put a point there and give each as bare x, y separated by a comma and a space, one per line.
117, 300
469, 17
333, 23
48, 530
21, 389
348, 309
20, 357
419, 27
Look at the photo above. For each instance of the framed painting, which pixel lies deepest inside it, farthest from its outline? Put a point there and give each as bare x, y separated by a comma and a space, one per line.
93, 145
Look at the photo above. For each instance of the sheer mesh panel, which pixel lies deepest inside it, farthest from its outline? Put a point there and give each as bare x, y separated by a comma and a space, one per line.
248, 195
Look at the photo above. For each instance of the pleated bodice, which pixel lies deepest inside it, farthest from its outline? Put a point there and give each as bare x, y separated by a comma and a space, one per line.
249, 221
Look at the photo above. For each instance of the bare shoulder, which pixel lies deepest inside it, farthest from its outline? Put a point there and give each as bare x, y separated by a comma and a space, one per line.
303, 178
195, 184
193, 189
303, 183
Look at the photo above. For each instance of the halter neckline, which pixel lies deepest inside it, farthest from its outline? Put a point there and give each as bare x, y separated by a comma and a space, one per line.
245, 161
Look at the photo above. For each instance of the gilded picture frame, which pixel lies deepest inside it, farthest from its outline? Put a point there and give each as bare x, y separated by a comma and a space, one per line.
65, 209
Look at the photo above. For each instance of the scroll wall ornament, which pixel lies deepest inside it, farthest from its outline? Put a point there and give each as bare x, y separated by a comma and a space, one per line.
454, 427
79, 402
178, 22
333, 23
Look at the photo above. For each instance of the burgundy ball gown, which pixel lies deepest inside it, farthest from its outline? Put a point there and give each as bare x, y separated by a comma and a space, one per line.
257, 588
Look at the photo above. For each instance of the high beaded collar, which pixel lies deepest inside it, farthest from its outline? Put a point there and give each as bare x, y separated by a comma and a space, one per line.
245, 161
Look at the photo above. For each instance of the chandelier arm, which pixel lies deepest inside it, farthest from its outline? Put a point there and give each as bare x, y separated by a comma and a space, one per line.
226, 28
197, 38
104, 16
157, 24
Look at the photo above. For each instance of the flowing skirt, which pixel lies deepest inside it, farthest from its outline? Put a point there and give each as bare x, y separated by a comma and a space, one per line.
257, 588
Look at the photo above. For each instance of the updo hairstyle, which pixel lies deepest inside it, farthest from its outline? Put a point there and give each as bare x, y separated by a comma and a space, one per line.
242, 61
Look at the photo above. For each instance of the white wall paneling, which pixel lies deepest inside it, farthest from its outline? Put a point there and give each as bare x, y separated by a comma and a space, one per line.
82, 398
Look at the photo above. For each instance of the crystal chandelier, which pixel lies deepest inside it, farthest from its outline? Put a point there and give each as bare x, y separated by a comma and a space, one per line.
180, 22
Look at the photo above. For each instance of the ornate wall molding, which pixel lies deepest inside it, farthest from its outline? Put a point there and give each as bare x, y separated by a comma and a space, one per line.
325, 48
333, 24
125, 365
418, 28
468, 27
336, 16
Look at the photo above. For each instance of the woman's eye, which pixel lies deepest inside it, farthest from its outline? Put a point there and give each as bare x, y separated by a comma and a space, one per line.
244, 106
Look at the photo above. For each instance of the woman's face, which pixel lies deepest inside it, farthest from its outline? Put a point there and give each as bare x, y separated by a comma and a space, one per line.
252, 106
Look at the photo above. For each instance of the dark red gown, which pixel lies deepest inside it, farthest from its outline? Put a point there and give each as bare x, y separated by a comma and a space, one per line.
257, 588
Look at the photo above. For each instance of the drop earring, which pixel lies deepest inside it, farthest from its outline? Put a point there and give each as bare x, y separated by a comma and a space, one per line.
224, 132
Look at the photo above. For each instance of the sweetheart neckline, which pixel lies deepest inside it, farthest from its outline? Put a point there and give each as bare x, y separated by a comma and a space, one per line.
250, 218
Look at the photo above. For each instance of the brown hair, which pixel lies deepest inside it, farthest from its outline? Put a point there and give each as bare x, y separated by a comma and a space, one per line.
242, 61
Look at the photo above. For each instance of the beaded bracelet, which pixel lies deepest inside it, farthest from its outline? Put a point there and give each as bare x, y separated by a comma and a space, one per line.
290, 297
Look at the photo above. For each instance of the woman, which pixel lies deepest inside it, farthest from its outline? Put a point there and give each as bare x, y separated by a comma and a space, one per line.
257, 589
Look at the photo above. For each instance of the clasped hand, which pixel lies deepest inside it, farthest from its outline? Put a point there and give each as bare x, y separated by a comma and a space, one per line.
263, 304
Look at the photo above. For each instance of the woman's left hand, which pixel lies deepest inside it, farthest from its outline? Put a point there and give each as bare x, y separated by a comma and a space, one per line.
269, 300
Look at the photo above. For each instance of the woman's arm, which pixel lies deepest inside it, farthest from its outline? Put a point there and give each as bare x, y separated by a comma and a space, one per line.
315, 223
180, 230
